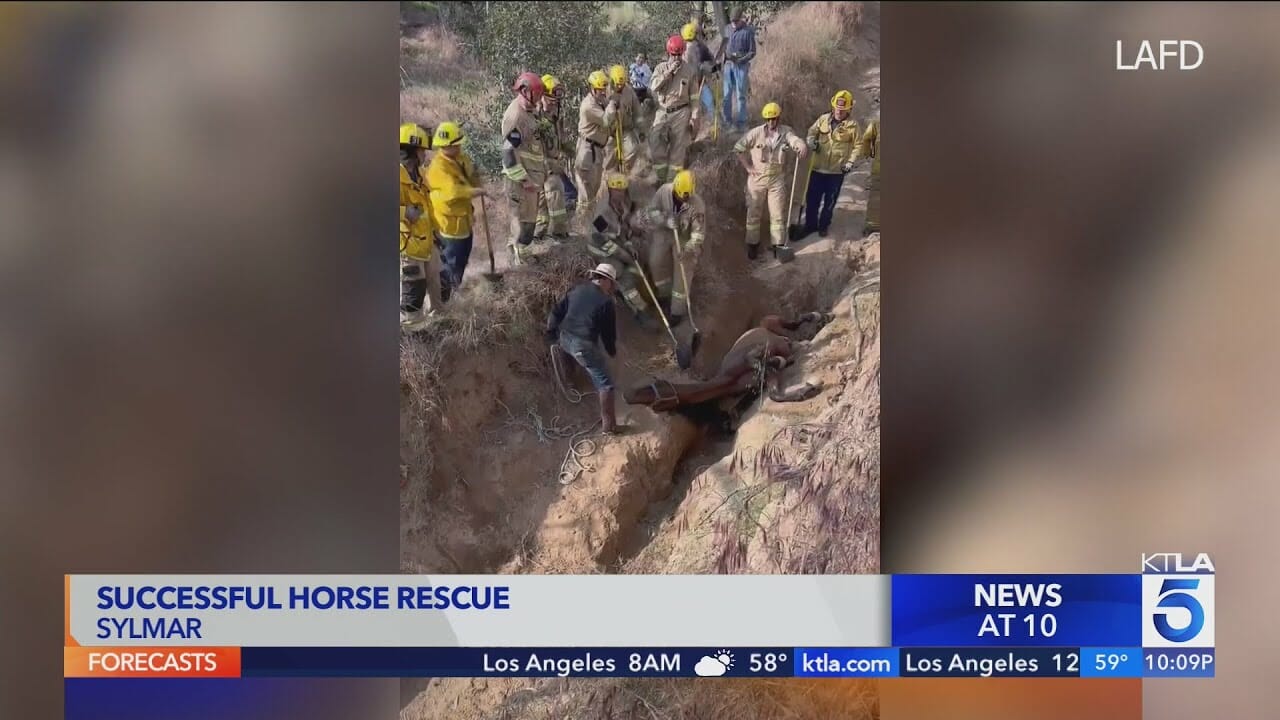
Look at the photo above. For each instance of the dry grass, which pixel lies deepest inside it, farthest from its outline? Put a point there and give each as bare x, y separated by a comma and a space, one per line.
812, 51
482, 319
432, 68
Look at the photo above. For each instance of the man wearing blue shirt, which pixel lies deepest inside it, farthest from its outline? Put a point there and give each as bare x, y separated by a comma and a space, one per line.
739, 50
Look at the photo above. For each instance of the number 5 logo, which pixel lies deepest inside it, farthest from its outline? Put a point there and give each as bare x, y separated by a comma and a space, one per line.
1173, 594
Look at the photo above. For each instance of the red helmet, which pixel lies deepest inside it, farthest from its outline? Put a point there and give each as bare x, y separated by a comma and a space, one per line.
530, 82
675, 45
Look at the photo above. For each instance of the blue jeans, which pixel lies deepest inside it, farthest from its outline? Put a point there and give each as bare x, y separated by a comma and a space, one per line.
708, 102
820, 201
590, 358
454, 255
736, 84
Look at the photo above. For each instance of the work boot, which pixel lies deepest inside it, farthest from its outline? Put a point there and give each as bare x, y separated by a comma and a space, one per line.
753, 251
822, 232
561, 237
608, 413
412, 322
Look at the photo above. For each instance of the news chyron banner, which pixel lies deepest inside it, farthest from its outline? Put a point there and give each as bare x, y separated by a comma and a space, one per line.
1159, 623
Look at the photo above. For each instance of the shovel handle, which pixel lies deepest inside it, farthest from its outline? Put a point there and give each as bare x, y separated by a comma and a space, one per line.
688, 291
488, 241
654, 296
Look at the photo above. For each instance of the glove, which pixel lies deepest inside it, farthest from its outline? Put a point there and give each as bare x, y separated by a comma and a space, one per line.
847, 167
412, 213
670, 223
551, 336
813, 144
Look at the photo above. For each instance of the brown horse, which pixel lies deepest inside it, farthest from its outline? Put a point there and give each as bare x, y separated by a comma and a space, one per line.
752, 363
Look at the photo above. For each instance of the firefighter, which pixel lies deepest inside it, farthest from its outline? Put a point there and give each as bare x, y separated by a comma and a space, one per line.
524, 160
699, 59
626, 123
596, 116
763, 152
674, 208
870, 147
834, 138
552, 216
453, 181
675, 90
615, 240
419, 263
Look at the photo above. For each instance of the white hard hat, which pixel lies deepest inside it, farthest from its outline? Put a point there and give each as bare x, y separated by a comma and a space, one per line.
605, 270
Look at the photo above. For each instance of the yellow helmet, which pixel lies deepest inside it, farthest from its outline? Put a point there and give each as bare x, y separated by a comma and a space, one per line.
550, 85
413, 134
689, 32
771, 111
683, 184
618, 75
598, 80
842, 100
448, 134
617, 181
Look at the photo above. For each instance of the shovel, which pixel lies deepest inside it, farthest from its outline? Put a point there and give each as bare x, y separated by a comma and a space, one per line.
796, 230
493, 275
684, 355
695, 341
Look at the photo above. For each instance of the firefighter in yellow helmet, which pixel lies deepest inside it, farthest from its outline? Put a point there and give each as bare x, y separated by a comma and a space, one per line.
674, 209
834, 139
626, 123
419, 263
870, 147
615, 239
552, 216
524, 160
454, 182
596, 115
764, 151
697, 56
675, 91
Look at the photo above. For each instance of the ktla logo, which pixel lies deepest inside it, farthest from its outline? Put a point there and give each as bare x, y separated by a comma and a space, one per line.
1177, 601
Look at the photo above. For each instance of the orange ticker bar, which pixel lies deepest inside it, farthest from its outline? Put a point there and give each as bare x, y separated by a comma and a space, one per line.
92, 662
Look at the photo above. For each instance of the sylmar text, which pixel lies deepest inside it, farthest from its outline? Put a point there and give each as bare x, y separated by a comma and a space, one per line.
160, 628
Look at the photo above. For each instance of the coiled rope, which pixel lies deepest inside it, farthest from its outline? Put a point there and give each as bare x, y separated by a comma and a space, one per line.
580, 447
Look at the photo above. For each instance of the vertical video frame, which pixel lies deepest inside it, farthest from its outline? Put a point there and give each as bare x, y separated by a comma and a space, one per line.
639, 313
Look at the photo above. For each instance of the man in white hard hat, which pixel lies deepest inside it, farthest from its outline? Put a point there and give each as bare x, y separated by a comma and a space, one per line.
583, 316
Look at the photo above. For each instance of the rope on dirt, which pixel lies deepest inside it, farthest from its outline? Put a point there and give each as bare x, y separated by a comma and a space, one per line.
557, 369
580, 448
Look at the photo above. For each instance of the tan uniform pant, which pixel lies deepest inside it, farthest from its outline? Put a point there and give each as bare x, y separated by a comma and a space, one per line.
630, 148
669, 142
420, 285
587, 166
551, 216
664, 271
524, 207
771, 189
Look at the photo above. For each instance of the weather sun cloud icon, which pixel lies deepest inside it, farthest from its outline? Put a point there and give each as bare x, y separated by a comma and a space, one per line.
714, 665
